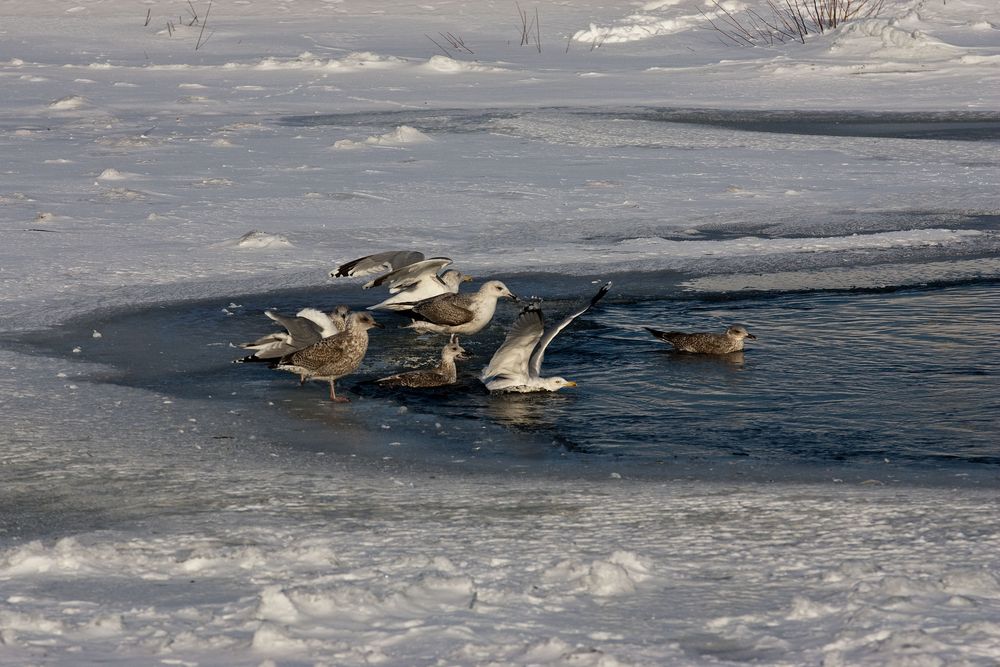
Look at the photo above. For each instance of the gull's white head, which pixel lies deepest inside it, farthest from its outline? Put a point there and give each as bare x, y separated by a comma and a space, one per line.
497, 290
557, 383
453, 278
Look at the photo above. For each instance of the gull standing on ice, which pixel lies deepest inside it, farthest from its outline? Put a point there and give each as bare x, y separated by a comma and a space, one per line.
706, 343
443, 374
517, 364
308, 326
334, 357
458, 313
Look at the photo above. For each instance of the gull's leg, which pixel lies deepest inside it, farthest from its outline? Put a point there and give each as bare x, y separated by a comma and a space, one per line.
335, 398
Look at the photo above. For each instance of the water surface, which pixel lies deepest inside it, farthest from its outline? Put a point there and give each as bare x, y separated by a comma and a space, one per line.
872, 383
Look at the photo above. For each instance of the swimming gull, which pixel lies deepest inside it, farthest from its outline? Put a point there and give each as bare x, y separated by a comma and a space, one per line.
706, 343
458, 313
334, 357
308, 326
443, 374
517, 364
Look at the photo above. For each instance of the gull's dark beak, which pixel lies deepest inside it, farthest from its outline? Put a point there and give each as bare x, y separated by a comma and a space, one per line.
751, 336
380, 325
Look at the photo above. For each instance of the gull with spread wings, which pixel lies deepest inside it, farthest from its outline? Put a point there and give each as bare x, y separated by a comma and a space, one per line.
306, 327
517, 364
407, 275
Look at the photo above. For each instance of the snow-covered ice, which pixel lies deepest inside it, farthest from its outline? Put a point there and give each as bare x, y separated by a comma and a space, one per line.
138, 526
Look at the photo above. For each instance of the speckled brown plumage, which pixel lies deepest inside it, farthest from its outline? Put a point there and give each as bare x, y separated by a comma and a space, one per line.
444, 373
334, 357
459, 313
705, 343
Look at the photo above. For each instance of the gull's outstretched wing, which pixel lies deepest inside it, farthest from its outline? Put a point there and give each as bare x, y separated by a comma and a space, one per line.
410, 274
383, 261
304, 331
511, 358
535, 363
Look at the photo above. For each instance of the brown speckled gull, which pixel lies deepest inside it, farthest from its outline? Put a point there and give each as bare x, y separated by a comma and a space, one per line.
334, 357
444, 373
705, 343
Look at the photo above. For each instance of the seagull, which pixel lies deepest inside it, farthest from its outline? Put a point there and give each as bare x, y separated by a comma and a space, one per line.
308, 326
517, 364
334, 357
444, 373
706, 343
408, 276
416, 282
458, 313
383, 261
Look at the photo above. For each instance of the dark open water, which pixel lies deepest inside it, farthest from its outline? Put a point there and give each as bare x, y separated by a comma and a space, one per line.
862, 384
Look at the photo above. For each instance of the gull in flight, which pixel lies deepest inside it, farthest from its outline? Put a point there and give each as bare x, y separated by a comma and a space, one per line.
517, 364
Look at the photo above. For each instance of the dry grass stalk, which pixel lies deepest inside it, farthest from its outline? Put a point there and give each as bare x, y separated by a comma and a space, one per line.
201, 41
787, 20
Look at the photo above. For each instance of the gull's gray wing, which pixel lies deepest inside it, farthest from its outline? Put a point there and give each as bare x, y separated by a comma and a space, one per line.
535, 364
383, 261
270, 339
304, 332
410, 274
511, 358
447, 309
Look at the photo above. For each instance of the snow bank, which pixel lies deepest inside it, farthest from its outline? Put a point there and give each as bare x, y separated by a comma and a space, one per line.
402, 135
352, 62
887, 39
68, 103
448, 65
257, 240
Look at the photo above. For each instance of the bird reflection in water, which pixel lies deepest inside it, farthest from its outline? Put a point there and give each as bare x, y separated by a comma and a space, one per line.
732, 361
527, 411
